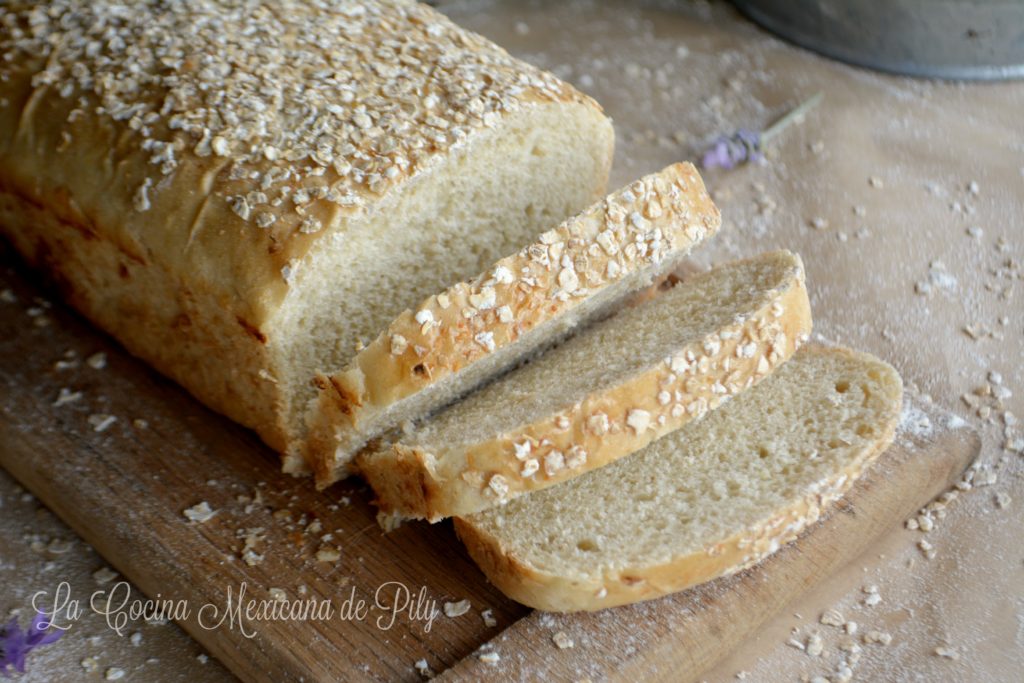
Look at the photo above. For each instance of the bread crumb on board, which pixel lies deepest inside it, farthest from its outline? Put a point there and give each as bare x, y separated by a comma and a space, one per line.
328, 553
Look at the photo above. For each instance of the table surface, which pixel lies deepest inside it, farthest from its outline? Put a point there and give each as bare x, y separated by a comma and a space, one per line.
903, 197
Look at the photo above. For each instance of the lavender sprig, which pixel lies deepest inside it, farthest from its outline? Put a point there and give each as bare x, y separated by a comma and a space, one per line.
16, 644
729, 151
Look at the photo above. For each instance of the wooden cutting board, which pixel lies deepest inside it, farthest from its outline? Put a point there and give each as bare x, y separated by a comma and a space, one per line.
125, 488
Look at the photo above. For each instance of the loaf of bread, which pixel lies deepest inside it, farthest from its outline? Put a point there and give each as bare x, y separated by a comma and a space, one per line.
603, 394
716, 496
453, 340
243, 193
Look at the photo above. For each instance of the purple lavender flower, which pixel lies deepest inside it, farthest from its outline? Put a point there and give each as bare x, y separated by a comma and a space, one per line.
15, 644
731, 151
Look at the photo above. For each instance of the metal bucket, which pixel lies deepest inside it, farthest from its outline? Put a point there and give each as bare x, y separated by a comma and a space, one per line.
956, 39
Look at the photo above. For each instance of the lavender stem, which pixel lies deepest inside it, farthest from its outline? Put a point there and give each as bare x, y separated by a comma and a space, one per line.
793, 115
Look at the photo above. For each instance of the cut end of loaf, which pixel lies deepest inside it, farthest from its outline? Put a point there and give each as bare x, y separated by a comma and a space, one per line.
714, 497
453, 341
605, 393
486, 198
248, 237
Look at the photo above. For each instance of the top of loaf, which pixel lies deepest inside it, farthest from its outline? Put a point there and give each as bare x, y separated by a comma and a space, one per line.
302, 112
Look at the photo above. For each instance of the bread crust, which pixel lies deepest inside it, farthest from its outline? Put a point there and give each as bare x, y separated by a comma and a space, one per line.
159, 248
603, 426
521, 294
184, 332
548, 591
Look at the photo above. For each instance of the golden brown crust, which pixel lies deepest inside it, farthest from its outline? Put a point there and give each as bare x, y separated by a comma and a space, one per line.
119, 293
521, 293
549, 591
208, 219
603, 426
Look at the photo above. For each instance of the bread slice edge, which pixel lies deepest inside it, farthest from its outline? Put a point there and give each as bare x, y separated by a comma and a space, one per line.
410, 484
552, 592
421, 354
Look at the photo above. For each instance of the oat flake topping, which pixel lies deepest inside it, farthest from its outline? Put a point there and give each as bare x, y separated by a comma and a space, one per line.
307, 100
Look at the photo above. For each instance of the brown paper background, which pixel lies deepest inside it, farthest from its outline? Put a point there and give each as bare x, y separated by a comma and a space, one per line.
673, 76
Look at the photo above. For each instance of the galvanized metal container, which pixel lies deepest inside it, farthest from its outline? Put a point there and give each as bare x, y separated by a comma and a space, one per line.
957, 39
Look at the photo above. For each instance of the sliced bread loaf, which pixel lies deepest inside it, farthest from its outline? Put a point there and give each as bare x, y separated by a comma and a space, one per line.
454, 340
243, 192
601, 395
707, 500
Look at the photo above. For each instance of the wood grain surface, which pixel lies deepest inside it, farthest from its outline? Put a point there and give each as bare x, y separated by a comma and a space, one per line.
124, 489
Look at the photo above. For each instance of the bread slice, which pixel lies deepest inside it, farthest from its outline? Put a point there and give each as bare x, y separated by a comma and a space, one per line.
603, 394
452, 341
242, 194
710, 499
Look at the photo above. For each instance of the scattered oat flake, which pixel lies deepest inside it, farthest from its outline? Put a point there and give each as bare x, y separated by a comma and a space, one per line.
100, 422
66, 396
490, 657
90, 664
456, 609
832, 618
201, 512
1003, 500
97, 361
59, 546
423, 669
563, 641
114, 673
877, 638
104, 576
947, 652
814, 646
488, 616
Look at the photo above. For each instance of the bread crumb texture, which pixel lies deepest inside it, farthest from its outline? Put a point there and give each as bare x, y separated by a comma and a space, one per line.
601, 395
711, 498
